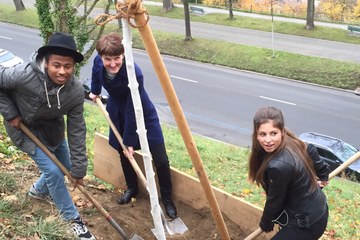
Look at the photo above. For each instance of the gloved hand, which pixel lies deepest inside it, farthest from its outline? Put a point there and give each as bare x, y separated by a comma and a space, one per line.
266, 226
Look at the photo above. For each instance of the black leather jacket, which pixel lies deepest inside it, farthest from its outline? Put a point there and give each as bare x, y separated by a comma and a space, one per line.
289, 198
322, 169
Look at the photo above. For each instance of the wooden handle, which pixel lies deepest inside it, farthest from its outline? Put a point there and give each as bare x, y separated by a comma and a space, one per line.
120, 140
334, 173
255, 234
67, 173
169, 91
344, 165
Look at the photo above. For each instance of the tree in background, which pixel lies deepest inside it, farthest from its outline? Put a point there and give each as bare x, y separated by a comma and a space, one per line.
231, 14
294, 8
64, 16
310, 14
214, 2
338, 10
19, 5
187, 21
167, 5
357, 10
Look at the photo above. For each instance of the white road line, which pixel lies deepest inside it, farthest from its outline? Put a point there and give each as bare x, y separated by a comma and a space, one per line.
5, 38
277, 100
184, 79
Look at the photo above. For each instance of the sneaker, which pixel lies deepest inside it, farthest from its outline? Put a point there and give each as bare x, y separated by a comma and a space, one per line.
80, 230
34, 193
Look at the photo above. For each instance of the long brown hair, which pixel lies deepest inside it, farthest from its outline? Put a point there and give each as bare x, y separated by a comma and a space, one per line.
259, 158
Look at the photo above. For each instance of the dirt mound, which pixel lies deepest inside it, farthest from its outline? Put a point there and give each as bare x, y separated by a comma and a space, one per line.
132, 218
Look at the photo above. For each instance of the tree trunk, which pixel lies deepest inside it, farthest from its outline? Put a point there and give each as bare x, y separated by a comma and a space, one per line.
310, 14
64, 19
19, 5
231, 14
187, 20
167, 5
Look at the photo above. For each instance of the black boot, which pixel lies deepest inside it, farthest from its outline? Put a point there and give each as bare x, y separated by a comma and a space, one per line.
164, 177
131, 181
170, 208
126, 197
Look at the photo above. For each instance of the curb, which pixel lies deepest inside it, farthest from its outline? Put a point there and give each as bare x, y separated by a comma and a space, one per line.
357, 91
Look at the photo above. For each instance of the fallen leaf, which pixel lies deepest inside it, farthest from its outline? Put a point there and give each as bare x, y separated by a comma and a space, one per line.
11, 198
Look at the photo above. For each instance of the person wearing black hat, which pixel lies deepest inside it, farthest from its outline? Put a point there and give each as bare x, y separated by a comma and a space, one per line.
39, 94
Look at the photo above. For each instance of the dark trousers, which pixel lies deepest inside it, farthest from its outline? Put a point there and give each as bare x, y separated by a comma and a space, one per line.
314, 232
162, 166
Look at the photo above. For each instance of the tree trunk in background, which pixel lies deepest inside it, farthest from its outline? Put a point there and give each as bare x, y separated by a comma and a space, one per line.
64, 19
310, 14
19, 5
231, 14
187, 20
167, 5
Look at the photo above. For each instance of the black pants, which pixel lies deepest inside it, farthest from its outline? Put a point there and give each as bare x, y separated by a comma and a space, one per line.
314, 232
162, 165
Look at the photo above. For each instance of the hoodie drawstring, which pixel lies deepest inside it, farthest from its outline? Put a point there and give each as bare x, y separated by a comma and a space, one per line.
47, 95
57, 96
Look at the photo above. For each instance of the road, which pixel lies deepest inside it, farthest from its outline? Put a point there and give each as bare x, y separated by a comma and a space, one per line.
220, 102
282, 42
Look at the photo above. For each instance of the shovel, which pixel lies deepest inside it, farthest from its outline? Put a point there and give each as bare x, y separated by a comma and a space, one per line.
174, 226
334, 173
81, 188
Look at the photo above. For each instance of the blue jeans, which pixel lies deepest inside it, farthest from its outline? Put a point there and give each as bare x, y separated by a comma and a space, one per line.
52, 181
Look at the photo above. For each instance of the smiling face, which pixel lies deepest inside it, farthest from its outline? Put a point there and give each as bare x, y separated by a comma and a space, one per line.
60, 68
269, 137
112, 63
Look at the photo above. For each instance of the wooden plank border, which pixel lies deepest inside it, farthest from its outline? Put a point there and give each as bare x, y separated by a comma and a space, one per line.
108, 168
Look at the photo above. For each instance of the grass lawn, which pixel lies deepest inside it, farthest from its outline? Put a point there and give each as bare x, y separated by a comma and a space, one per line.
226, 167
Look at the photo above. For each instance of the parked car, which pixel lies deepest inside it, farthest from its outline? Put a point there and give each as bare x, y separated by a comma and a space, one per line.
8, 59
334, 152
87, 89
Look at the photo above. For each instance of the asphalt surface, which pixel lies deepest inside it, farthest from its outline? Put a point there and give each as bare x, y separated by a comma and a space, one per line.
277, 42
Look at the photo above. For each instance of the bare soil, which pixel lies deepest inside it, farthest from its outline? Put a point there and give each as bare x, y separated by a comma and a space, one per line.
133, 218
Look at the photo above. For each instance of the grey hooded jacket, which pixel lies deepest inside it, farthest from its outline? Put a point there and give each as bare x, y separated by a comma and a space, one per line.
27, 91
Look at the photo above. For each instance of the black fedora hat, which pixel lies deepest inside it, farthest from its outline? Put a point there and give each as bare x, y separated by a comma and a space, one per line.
61, 44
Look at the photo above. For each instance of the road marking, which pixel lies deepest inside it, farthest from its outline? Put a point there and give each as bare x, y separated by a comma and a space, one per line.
277, 100
184, 79
5, 38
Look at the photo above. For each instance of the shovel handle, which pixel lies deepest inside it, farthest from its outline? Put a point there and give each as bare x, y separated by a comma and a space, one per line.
67, 173
334, 173
120, 140
130, 157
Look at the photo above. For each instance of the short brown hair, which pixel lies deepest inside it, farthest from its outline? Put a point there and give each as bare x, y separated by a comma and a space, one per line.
110, 45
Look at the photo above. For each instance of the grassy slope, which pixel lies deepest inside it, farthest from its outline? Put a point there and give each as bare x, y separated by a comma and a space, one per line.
226, 166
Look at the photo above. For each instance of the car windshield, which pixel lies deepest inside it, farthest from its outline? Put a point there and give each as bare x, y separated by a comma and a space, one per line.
345, 151
6, 57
